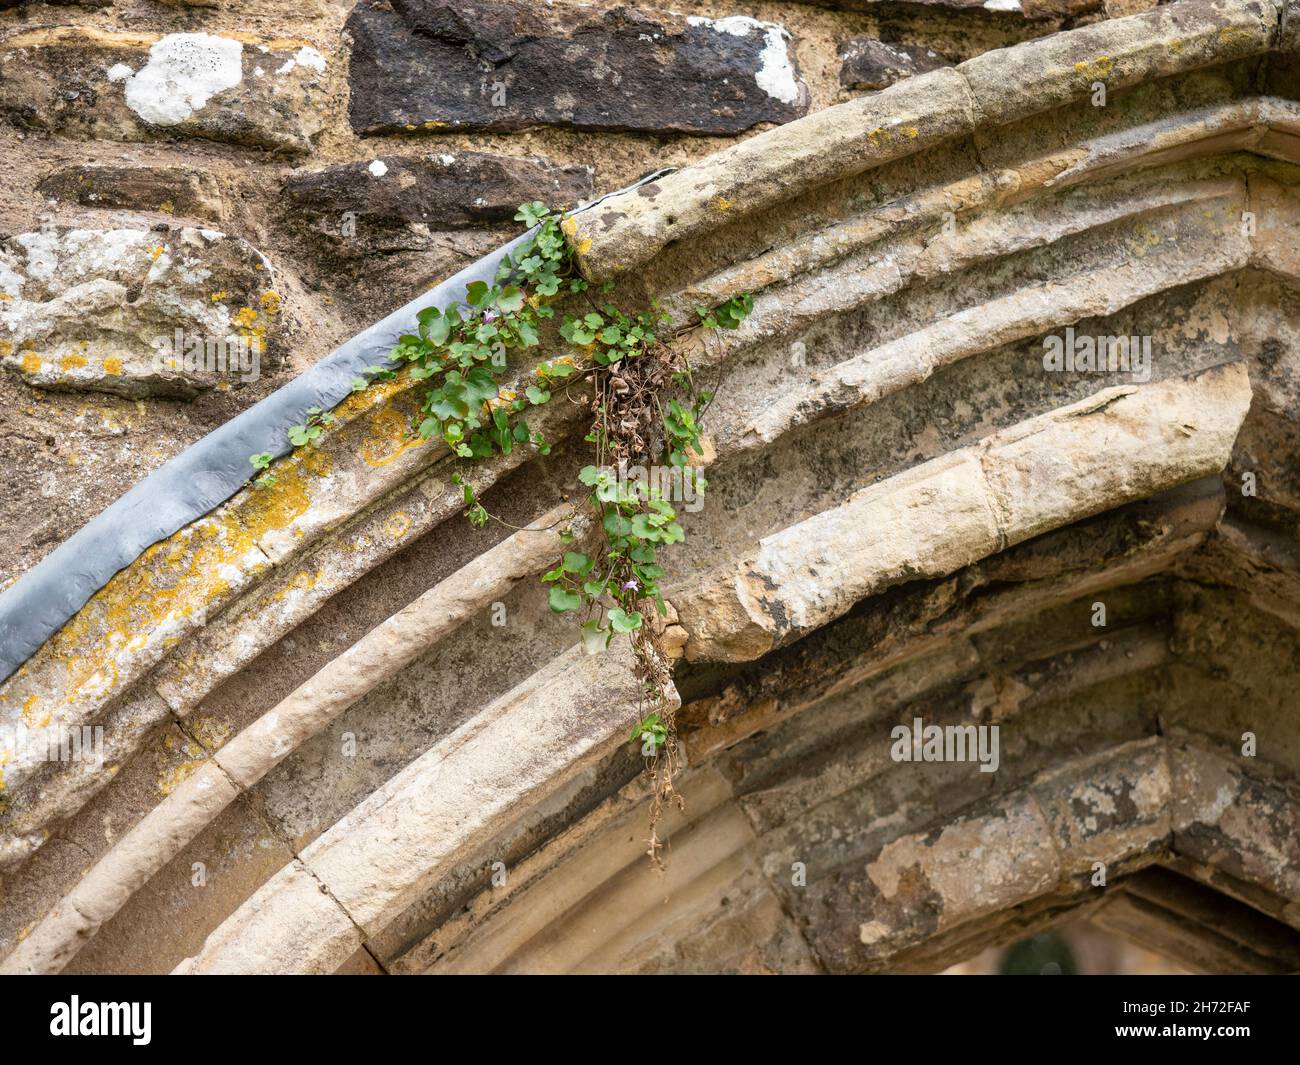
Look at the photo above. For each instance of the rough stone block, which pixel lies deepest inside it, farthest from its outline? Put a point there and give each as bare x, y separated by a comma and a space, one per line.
87, 83
488, 65
867, 63
135, 312
441, 190
170, 189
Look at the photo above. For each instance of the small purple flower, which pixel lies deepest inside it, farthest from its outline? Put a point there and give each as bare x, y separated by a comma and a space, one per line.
489, 316
631, 586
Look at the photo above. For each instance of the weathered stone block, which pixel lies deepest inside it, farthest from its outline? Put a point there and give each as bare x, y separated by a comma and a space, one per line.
90, 83
867, 63
441, 190
171, 189
488, 65
135, 312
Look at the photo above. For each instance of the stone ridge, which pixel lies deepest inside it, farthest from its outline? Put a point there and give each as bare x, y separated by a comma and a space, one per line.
383, 749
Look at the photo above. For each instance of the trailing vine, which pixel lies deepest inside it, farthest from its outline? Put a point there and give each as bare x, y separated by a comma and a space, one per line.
645, 419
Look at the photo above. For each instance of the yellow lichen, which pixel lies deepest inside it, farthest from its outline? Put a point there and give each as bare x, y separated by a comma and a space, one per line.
112, 365
580, 242
397, 524
388, 436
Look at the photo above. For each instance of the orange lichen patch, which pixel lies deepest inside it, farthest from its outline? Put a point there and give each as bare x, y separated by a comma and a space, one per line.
720, 203
503, 398
210, 732
218, 296
545, 369
304, 580
279, 505
156, 253
112, 365
270, 302
6, 348
81, 35
580, 241
1101, 67
389, 435
31, 363
170, 588
29, 708
171, 779
72, 362
1229, 34
377, 394
397, 524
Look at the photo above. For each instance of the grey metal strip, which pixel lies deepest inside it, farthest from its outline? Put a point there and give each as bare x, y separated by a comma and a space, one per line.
207, 473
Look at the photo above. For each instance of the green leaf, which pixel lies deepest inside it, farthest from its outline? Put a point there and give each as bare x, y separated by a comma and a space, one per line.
621, 620
562, 600
511, 299
576, 562
594, 638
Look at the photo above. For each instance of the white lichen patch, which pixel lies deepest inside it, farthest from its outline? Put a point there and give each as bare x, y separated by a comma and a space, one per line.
1002, 5
184, 72
306, 57
377, 168
89, 309
775, 75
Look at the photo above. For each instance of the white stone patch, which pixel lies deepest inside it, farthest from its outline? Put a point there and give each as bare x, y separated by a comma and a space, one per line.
184, 71
311, 59
775, 75
377, 168
305, 57
446, 160
1002, 5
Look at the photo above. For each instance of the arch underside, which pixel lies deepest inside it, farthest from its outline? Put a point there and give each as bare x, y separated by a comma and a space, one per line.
896, 346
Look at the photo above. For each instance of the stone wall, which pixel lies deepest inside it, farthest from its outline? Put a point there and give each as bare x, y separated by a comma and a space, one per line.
909, 514
288, 173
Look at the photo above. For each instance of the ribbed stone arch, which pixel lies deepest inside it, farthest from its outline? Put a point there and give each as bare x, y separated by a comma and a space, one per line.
906, 518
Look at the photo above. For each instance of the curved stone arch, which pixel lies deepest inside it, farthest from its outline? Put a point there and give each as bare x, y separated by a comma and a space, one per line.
243, 578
